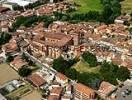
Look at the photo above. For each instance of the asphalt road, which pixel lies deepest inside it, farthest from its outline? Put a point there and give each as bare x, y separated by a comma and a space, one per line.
120, 93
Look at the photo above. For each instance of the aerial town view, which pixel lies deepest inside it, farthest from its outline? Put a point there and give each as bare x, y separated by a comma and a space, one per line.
65, 49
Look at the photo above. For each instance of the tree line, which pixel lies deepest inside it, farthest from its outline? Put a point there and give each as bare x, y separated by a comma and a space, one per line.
111, 9
108, 71
29, 21
4, 38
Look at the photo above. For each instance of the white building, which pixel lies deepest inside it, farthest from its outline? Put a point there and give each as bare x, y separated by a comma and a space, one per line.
11, 3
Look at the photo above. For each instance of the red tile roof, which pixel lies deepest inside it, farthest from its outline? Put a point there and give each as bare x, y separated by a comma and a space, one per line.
56, 90
84, 89
61, 76
18, 62
3, 9
53, 97
106, 88
36, 80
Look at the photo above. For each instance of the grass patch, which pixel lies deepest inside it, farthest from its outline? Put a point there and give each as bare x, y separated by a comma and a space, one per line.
83, 66
87, 5
127, 6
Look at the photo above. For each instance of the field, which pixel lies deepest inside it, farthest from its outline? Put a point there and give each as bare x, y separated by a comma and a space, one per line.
32, 96
127, 6
82, 66
7, 74
87, 5
20, 91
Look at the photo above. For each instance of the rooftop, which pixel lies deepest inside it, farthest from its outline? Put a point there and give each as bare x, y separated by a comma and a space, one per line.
56, 91
61, 76
18, 62
36, 80
106, 88
53, 97
84, 89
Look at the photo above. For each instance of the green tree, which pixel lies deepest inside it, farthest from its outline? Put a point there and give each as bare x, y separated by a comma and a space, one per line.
24, 71
131, 14
90, 59
9, 58
111, 9
123, 73
24, 57
89, 79
4, 38
60, 64
130, 30
72, 73
108, 72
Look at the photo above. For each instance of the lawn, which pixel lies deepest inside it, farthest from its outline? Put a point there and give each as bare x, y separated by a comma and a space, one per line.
127, 6
7, 74
82, 66
34, 95
87, 5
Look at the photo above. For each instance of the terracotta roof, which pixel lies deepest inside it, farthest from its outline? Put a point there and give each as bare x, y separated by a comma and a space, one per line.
61, 39
58, 36
36, 80
48, 9
117, 60
53, 97
106, 88
84, 89
3, 9
127, 63
66, 97
61, 76
18, 62
56, 90
11, 46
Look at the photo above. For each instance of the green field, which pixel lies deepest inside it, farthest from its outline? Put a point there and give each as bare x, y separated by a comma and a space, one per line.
87, 5
82, 66
127, 6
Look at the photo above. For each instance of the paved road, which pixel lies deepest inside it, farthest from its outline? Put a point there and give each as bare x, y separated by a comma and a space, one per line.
120, 96
40, 64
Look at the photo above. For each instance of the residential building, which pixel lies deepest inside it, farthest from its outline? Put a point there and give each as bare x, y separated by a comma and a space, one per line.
3, 9
61, 78
50, 44
11, 47
18, 63
83, 92
36, 80
106, 89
